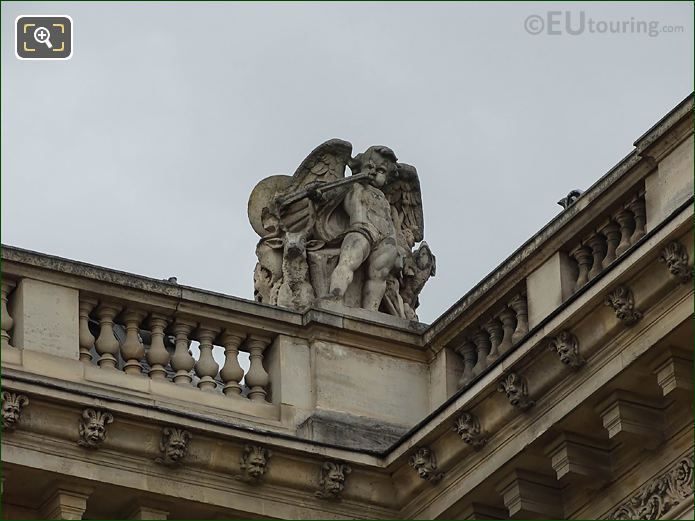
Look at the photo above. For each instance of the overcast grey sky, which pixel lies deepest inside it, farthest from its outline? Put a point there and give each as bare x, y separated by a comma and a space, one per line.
140, 152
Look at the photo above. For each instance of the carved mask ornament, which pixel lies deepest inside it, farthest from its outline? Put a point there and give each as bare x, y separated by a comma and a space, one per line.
254, 463
12, 404
92, 427
332, 479
425, 463
174, 445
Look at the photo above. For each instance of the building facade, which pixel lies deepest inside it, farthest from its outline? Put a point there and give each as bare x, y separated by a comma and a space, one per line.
560, 387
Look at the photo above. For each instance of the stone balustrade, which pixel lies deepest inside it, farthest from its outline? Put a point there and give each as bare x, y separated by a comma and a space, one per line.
119, 336
609, 239
129, 353
491, 336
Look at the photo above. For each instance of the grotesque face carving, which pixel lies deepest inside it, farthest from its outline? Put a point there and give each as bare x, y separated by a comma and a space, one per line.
92, 427
332, 480
467, 427
565, 344
335, 480
676, 258
513, 389
564, 349
516, 389
12, 404
425, 463
254, 463
623, 303
174, 445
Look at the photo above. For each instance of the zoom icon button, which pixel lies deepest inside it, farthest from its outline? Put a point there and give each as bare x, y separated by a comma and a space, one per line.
43, 37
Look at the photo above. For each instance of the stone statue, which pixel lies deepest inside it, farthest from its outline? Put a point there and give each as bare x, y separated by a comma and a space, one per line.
346, 240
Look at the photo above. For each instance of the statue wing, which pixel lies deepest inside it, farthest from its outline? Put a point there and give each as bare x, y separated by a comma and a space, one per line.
325, 163
403, 192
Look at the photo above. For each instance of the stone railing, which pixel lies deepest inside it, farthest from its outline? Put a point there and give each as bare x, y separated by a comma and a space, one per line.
502, 320
152, 341
491, 336
129, 337
609, 238
559, 264
159, 346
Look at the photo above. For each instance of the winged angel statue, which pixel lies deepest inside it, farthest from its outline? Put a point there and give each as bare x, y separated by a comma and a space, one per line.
350, 240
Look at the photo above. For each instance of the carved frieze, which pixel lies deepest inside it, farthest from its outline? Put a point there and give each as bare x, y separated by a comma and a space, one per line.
515, 387
12, 405
675, 256
174, 446
332, 479
655, 499
425, 464
622, 301
254, 464
467, 426
92, 427
566, 345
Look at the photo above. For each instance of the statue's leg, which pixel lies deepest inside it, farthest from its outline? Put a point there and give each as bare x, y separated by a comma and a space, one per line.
353, 252
379, 265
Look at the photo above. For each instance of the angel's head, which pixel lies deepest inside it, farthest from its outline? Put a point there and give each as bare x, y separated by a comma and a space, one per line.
380, 161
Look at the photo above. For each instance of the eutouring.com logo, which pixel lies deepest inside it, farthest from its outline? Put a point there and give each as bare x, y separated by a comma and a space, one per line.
43, 37
558, 23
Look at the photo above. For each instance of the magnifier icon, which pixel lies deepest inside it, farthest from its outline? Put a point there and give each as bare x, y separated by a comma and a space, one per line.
43, 35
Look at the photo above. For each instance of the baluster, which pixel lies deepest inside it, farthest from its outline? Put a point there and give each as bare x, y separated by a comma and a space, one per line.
583, 256
611, 231
494, 329
107, 344
132, 349
86, 339
636, 206
624, 219
466, 351
157, 354
598, 246
6, 322
257, 377
206, 368
482, 346
508, 319
519, 305
231, 372
182, 361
